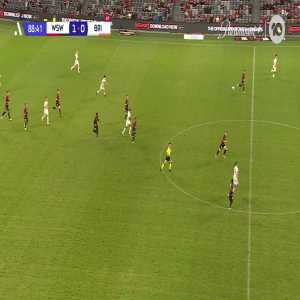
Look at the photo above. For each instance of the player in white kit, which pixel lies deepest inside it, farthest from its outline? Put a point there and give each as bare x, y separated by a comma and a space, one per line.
102, 86
236, 176
76, 62
128, 123
46, 111
274, 67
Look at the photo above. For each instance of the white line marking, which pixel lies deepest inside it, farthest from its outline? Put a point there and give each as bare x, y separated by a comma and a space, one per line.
192, 196
250, 180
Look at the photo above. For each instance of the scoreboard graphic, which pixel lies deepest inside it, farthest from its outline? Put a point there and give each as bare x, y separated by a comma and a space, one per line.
71, 28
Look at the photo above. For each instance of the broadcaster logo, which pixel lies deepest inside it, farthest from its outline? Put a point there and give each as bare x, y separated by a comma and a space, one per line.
277, 29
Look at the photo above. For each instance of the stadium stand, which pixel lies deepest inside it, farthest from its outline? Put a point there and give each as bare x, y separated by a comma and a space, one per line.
289, 9
216, 11
155, 10
212, 11
65, 7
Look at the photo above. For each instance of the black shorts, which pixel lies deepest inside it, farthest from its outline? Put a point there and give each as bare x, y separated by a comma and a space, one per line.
168, 158
222, 146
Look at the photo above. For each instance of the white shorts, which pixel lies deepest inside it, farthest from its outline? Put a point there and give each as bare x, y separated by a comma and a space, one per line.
102, 87
235, 181
76, 63
128, 123
46, 112
274, 69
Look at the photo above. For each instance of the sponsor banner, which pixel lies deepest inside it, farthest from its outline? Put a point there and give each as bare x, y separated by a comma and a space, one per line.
236, 30
16, 15
58, 28
294, 29
142, 26
251, 38
158, 26
76, 20
199, 37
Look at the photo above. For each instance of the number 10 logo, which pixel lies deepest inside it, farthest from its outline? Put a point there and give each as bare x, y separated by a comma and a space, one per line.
277, 29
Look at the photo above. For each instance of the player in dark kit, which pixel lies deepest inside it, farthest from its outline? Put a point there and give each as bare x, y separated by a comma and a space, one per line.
242, 83
230, 194
25, 116
126, 106
57, 102
96, 124
6, 106
223, 145
133, 131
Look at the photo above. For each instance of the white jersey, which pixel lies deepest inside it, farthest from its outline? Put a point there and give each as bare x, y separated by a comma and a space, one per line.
76, 58
236, 175
103, 83
46, 105
128, 119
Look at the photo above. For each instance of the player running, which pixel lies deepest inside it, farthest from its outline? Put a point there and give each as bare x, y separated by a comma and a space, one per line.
236, 176
96, 124
168, 158
126, 106
128, 123
6, 109
223, 146
58, 102
231, 194
46, 111
102, 87
25, 116
133, 131
242, 83
76, 62
275, 65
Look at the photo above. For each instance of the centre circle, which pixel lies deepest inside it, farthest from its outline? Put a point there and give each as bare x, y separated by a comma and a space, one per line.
204, 178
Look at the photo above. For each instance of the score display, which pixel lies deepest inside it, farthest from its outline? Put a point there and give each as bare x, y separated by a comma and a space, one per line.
71, 28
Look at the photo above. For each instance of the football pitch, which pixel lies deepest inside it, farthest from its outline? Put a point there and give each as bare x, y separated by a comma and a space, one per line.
94, 218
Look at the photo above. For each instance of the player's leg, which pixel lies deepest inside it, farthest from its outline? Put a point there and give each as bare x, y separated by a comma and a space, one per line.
47, 119
133, 138
99, 90
163, 164
8, 114
230, 198
59, 110
170, 165
124, 130
225, 151
130, 129
78, 68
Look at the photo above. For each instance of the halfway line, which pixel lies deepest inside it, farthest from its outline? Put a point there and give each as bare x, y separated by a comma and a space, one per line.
250, 180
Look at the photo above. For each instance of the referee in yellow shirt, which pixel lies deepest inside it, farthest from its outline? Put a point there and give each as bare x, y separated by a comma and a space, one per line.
168, 158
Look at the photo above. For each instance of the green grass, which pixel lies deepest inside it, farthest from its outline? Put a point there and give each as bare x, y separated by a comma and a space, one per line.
87, 218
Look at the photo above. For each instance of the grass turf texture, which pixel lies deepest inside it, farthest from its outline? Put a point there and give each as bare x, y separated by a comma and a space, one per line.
88, 218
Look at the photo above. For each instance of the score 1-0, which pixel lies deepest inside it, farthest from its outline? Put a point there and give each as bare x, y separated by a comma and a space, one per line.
78, 28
